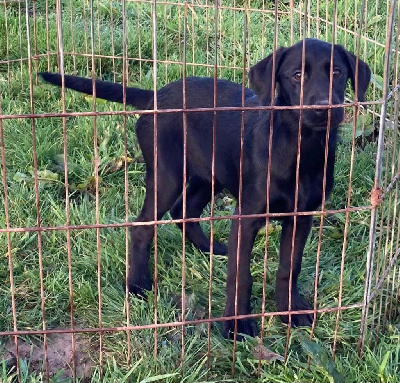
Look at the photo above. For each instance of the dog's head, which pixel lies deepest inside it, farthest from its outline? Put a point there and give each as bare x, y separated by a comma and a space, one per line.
287, 73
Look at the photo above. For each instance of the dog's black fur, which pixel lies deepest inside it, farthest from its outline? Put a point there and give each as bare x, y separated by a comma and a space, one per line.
199, 93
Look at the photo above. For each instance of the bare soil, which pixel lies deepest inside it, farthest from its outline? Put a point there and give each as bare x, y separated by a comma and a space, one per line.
60, 355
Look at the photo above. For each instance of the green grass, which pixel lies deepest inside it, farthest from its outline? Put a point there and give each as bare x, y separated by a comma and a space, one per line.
381, 359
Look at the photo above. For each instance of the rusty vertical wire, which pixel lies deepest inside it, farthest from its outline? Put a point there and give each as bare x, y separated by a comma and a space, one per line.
96, 175
71, 20
396, 268
85, 2
7, 45
126, 182
234, 38
395, 114
388, 251
345, 22
326, 154
193, 38
382, 272
60, 50
268, 182
36, 188
396, 299
20, 43
398, 283
296, 194
355, 18
65, 159
394, 303
184, 118
221, 55
384, 233
47, 34
239, 200
180, 38
365, 39
327, 18
166, 43
113, 45
291, 3
363, 27
263, 23
138, 29
378, 173
207, 41
387, 6
248, 60
396, 247
374, 87
155, 150
317, 20
395, 172
377, 273
302, 21
357, 49
212, 204
34, 38
98, 37
8, 236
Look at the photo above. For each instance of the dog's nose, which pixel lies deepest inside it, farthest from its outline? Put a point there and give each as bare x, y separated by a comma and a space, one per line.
322, 103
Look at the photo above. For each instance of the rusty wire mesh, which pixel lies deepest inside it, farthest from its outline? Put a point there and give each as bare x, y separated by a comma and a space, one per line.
44, 202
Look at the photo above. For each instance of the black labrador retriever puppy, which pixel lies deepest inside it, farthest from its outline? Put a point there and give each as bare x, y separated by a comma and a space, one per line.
256, 152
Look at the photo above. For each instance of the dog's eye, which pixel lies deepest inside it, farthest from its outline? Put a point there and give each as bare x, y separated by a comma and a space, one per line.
297, 76
337, 73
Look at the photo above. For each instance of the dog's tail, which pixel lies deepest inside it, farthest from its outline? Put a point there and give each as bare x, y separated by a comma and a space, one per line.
139, 98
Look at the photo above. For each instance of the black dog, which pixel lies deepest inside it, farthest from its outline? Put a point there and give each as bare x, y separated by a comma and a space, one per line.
282, 186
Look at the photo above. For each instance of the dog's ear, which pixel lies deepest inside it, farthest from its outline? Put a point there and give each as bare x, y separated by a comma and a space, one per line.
261, 76
364, 73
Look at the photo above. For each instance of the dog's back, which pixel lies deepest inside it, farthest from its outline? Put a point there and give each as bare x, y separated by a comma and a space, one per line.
199, 93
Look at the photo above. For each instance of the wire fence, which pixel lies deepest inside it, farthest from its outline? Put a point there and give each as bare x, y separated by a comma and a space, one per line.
73, 183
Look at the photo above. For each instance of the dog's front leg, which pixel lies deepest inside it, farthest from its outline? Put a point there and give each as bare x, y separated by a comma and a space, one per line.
303, 227
139, 279
240, 279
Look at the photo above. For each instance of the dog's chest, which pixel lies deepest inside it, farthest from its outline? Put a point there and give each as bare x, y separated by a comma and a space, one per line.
314, 176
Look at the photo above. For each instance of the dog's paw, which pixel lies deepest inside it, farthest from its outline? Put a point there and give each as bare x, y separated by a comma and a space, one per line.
244, 327
298, 303
140, 286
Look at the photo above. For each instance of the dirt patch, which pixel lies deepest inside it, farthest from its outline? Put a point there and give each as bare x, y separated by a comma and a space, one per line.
59, 353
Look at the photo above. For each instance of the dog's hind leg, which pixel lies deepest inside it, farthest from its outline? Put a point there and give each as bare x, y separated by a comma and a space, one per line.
198, 194
168, 189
